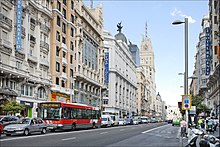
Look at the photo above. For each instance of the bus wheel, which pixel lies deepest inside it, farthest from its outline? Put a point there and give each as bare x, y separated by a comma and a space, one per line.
93, 126
73, 126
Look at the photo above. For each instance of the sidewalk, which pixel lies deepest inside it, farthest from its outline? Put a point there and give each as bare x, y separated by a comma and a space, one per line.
184, 141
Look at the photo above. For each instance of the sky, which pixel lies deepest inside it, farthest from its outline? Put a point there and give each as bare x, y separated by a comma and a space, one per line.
167, 39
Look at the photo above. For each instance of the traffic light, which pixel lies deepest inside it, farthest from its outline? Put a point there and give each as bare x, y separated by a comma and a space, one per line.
180, 105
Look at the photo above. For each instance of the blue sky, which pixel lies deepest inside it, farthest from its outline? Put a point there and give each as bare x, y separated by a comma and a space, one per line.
167, 40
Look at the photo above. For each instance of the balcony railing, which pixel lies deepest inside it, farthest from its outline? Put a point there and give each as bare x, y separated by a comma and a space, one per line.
44, 45
44, 62
4, 19
45, 28
32, 57
5, 43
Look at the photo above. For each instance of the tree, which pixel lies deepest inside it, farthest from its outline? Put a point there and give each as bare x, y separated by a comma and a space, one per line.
200, 107
13, 107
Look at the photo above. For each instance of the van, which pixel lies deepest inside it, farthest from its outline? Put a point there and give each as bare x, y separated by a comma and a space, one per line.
114, 119
144, 119
106, 121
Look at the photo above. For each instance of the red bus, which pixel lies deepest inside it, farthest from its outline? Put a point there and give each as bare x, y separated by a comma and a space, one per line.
60, 115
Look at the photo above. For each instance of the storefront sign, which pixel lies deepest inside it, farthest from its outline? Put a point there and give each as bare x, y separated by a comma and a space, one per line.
18, 24
207, 34
28, 104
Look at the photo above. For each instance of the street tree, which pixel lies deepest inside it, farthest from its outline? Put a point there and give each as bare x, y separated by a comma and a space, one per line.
12, 107
200, 107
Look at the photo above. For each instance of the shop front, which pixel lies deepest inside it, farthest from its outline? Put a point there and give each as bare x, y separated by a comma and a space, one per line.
28, 111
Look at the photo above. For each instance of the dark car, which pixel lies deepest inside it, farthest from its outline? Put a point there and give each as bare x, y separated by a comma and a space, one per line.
6, 120
169, 121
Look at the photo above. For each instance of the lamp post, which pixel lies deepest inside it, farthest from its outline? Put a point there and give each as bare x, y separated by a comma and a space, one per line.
177, 22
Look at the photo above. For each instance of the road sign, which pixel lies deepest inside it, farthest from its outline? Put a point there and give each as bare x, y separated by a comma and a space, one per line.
186, 102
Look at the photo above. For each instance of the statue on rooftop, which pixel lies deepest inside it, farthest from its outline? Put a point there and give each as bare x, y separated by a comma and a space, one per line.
119, 27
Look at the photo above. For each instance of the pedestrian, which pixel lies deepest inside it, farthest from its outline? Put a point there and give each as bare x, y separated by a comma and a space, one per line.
183, 125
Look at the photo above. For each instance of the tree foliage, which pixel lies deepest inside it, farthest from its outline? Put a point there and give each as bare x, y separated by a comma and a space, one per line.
200, 107
13, 107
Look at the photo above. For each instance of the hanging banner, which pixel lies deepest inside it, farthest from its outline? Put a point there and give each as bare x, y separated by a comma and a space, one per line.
18, 24
207, 34
106, 64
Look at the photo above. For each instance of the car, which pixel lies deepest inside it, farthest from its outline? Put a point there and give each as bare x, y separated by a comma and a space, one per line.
153, 120
176, 121
8, 119
26, 126
129, 121
135, 121
169, 121
121, 122
144, 119
106, 121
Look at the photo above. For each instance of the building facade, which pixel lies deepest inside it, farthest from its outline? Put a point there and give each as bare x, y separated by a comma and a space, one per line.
25, 75
134, 53
77, 54
214, 77
122, 86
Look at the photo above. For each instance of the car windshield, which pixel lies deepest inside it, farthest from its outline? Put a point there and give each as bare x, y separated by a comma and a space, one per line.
50, 113
121, 119
24, 121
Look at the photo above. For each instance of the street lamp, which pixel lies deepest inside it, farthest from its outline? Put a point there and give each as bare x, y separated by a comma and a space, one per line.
177, 22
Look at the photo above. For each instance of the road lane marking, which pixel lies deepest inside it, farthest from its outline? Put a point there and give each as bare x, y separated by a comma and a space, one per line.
68, 138
152, 129
103, 132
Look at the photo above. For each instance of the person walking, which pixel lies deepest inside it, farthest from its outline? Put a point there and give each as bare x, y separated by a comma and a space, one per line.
183, 125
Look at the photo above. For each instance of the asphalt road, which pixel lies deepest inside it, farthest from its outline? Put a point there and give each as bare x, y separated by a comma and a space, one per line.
157, 134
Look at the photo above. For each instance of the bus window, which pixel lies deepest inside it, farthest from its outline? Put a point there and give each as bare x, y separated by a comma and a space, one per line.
66, 112
79, 113
74, 113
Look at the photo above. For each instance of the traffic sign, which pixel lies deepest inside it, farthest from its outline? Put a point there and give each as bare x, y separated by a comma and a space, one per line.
186, 102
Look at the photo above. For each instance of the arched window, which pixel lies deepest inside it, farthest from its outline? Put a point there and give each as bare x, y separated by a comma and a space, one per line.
41, 93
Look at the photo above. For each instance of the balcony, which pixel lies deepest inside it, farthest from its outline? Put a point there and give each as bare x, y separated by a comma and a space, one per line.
5, 22
64, 47
44, 62
5, 43
45, 28
64, 61
44, 45
33, 24
32, 58
32, 40
23, 32
63, 75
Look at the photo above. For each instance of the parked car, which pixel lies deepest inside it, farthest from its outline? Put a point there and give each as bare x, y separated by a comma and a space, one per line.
26, 126
121, 122
129, 121
1, 128
169, 121
7, 119
144, 119
152, 120
135, 121
106, 121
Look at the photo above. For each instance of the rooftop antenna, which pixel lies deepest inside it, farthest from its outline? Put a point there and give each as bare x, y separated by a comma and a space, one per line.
91, 5
146, 29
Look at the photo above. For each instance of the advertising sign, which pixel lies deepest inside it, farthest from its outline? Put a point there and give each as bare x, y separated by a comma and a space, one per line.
106, 72
186, 102
207, 34
18, 24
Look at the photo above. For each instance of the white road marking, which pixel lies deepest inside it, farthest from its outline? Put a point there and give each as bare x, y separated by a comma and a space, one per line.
103, 132
152, 129
68, 138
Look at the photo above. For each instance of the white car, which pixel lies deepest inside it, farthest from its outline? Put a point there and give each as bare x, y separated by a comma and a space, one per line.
106, 121
121, 122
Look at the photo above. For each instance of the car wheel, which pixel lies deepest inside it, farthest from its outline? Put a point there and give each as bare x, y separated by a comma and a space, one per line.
26, 132
43, 131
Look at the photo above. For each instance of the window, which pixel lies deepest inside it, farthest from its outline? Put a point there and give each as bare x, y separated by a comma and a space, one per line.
64, 40
58, 6
58, 20
4, 35
57, 81
57, 51
57, 67
72, 5
64, 28
71, 59
72, 18
71, 72
27, 90
71, 33
41, 93
71, 45
58, 36
64, 54
216, 50
63, 83
64, 69
64, 2
215, 20
18, 64
64, 13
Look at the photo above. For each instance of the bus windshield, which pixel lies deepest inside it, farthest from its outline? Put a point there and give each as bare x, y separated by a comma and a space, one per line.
50, 113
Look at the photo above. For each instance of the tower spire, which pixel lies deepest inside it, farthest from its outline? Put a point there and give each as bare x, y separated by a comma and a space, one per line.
146, 29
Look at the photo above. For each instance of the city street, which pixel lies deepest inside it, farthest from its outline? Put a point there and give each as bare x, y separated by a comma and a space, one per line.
154, 134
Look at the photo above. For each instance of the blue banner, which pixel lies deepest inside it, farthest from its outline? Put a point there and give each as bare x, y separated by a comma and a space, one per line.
18, 24
207, 50
106, 64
